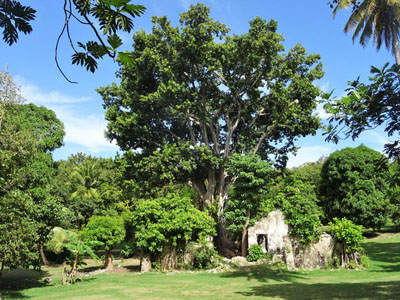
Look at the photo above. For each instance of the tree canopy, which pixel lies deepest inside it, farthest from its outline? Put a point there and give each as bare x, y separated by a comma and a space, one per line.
208, 95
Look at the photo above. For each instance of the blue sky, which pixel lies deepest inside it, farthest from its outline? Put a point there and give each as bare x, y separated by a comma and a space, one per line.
31, 63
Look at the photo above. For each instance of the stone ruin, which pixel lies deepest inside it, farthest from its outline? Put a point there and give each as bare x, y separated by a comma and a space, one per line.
272, 234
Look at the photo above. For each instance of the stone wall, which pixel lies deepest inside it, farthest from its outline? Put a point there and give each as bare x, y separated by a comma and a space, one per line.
272, 234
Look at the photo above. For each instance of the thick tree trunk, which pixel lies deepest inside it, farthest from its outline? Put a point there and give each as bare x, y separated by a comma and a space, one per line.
1, 268
244, 234
217, 184
64, 275
42, 255
344, 256
108, 260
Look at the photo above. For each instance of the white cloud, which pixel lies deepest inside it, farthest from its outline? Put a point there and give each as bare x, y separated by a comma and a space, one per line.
308, 154
321, 113
34, 94
85, 130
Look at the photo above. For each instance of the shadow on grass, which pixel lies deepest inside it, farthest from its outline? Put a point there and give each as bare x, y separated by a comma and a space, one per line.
263, 273
385, 255
13, 282
326, 291
369, 233
132, 268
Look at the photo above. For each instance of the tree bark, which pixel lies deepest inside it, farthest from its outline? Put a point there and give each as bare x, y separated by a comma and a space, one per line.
42, 255
64, 275
1, 268
244, 235
108, 260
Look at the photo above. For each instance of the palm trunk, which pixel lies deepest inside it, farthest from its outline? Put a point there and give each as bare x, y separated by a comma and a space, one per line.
42, 255
108, 260
395, 48
244, 234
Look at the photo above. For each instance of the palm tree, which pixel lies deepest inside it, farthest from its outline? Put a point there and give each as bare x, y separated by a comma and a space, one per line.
85, 176
85, 197
379, 19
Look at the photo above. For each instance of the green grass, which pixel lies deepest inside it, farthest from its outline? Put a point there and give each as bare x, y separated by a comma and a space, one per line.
380, 281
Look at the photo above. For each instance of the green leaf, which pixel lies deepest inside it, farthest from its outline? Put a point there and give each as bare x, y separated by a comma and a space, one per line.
114, 40
125, 59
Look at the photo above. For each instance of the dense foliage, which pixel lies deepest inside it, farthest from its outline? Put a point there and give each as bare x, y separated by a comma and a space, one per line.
28, 135
255, 253
354, 185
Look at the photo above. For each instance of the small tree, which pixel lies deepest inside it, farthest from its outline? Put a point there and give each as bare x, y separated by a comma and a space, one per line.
78, 249
164, 226
253, 179
350, 236
107, 231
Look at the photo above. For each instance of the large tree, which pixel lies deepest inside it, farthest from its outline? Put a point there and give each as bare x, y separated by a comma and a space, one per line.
379, 19
193, 96
354, 185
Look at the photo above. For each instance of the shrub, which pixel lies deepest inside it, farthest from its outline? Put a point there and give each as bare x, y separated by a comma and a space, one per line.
255, 253
205, 256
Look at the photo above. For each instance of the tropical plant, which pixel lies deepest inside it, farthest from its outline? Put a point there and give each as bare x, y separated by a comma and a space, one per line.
253, 180
379, 19
78, 250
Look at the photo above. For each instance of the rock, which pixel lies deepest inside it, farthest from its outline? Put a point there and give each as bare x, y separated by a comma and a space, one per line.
316, 255
239, 261
145, 263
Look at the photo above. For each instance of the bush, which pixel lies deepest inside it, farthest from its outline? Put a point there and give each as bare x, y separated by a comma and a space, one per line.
255, 253
205, 256
128, 249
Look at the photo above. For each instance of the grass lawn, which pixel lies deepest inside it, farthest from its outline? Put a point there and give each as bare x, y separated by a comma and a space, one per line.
380, 281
